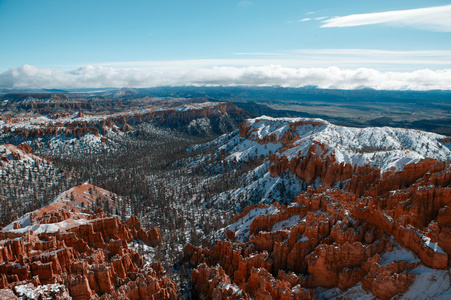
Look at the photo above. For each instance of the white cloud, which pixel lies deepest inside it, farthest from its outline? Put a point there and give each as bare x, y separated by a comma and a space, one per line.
387, 57
387, 60
333, 77
436, 18
309, 58
305, 19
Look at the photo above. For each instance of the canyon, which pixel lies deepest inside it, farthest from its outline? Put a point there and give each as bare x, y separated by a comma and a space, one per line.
161, 198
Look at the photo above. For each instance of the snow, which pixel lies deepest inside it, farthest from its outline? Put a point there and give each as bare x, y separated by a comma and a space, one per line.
202, 123
247, 149
429, 284
433, 246
44, 228
79, 191
39, 121
25, 158
88, 143
29, 291
26, 290
147, 252
381, 147
62, 196
232, 287
242, 226
191, 106
398, 253
260, 187
355, 292
304, 239
22, 221
294, 220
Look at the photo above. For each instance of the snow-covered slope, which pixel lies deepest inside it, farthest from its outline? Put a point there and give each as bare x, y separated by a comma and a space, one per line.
10, 153
381, 147
384, 148
261, 145
26, 180
74, 201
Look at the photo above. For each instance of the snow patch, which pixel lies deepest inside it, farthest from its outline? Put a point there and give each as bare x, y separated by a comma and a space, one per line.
242, 226
294, 220
398, 253
429, 284
433, 246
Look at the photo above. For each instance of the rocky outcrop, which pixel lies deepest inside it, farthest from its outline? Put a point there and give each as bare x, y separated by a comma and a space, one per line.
387, 280
151, 237
262, 285
79, 285
313, 166
213, 283
327, 262
88, 257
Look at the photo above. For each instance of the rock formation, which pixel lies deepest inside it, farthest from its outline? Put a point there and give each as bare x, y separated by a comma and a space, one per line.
339, 234
61, 251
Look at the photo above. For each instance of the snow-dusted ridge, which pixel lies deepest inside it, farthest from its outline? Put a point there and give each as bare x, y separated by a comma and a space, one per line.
28, 122
96, 132
385, 148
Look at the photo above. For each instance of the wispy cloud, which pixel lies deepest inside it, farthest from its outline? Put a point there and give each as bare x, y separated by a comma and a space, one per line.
271, 75
384, 60
436, 18
354, 58
305, 20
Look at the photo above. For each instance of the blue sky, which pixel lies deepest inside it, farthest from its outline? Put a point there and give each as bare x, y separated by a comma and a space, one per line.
89, 37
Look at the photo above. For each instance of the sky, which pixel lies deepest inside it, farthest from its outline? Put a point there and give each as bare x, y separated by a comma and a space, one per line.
402, 44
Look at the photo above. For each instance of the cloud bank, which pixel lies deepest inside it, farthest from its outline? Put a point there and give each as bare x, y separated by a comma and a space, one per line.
436, 18
28, 76
387, 60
